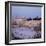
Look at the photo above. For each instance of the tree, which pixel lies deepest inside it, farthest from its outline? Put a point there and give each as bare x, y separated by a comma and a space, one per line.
28, 19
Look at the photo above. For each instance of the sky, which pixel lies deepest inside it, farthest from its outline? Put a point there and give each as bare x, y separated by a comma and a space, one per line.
26, 11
